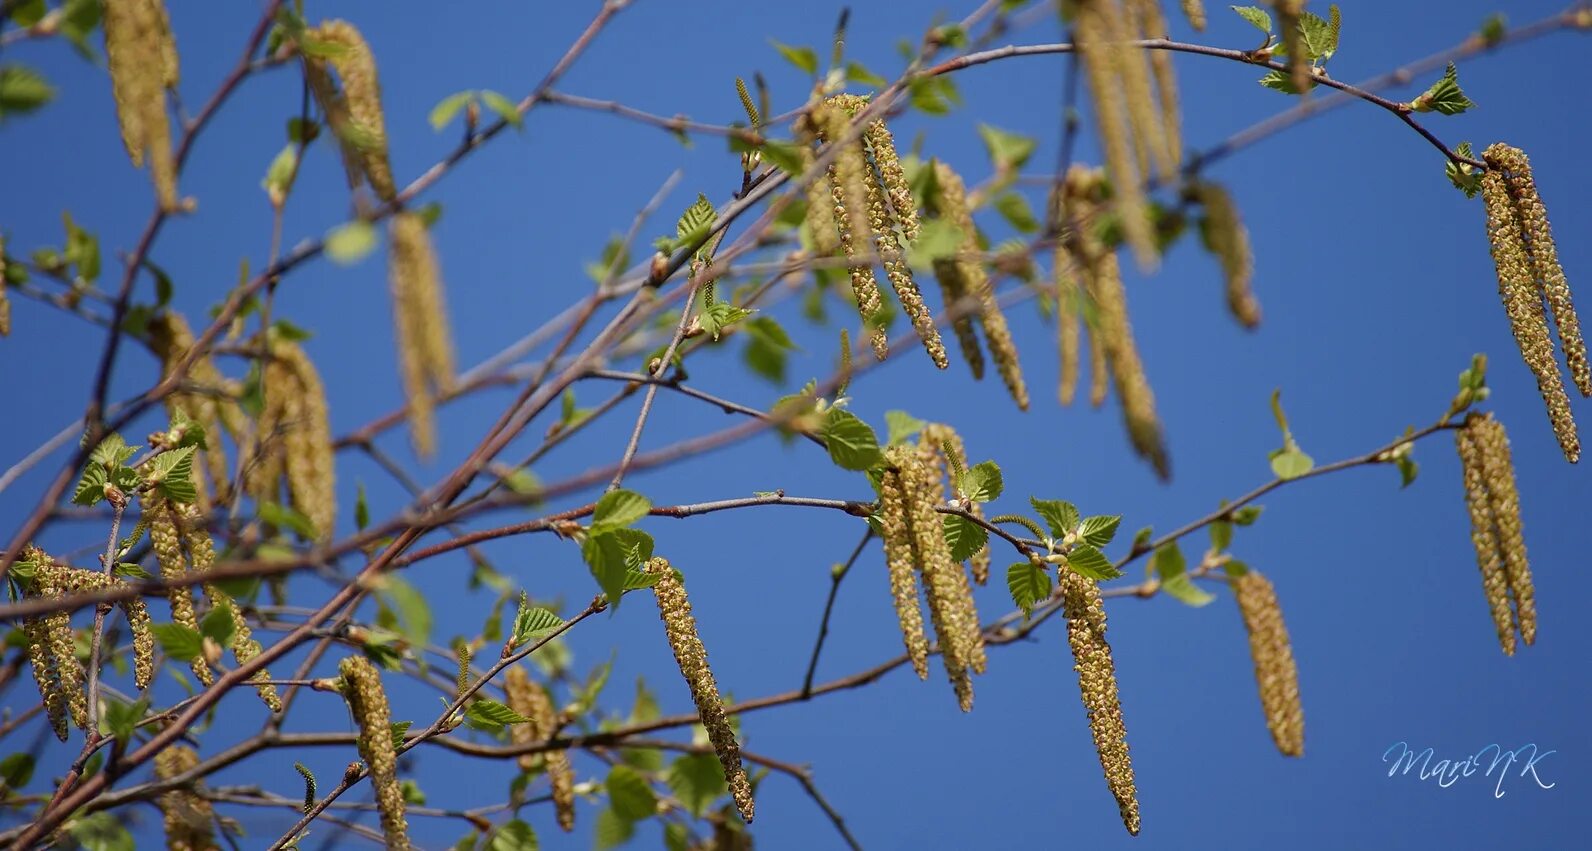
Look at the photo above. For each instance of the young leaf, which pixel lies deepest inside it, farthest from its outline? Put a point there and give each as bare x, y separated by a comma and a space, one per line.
1445, 96
1059, 515
1098, 531
1256, 16
607, 557
22, 90
448, 107
964, 536
802, 57
1029, 584
618, 509
697, 780
218, 624
350, 242
851, 442
178, 641
533, 622
410, 606
1014, 208
902, 426
1464, 176
1007, 151
981, 482
505, 108
630, 795
399, 729
1173, 572
490, 713
1291, 463
1091, 562
514, 835
286, 517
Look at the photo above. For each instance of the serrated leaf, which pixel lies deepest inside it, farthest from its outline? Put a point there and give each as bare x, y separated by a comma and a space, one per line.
218, 624
611, 831
1060, 516
1172, 570
350, 242
901, 426
981, 482
1256, 16
851, 442
1464, 176
91, 487
514, 835
629, 794
697, 780
1097, 531
618, 509
1029, 585
1007, 151
804, 58
533, 622
178, 641
101, 832
399, 730
1317, 34
1282, 81
1092, 563
448, 107
638, 546
112, 451
1247, 515
636, 580
1221, 535
490, 713
1445, 96
607, 557
965, 537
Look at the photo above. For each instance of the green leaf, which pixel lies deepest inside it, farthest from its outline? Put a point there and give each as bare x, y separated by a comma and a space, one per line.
350, 242
91, 487
101, 832
414, 613
721, 315
618, 509
1247, 515
1014, 208
1092, 563
1173, 572
1320, 37
1029, 584
399, 729
533, 622
1007, 151
285, 517
1291, 464
17, 769
361, 509
1282, 81
901, 426
630, 795
178, 641
938, 239
26, 13
697, 780
491, 714
1059, 515
611, 831
505, 108
1221, 535
607, 557
22, 90
514, 835
280, 173
218, 624
1098, 531
636, 580
1256, 17
172, 473
676, 837
1464, 176
933, 95
448, 107
851, 442
637, 545
1445, 96
858, 73
965, 537
112, 451
802, 57
121, 718
981, 482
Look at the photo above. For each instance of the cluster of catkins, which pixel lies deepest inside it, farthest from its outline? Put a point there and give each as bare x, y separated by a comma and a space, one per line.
1529, 274
425, 345
1276, 675
530, 700
294, 439
911, 487
52, 643
864, 208
1136, 105
367, 701
692, 658
1088, 274
207, 399
1495, 529
189, 818
143, 63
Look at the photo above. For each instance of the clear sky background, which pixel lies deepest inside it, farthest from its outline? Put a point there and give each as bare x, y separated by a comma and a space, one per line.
1377, 288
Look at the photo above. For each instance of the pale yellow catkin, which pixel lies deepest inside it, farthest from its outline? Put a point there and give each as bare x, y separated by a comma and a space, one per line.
1095, 27
1499, 471
1276, 675
692, 658
1226, 237
951, 456
365, 137
189, 819
297, 400
896, 531
165, 538
42, 644
1097, 685
1194, 10
1522, 299
367, 701
1152, 24
820, 217
425, 344
1484, 538
202, 550
849, 194
143, 63
1068, 320
209, 403
945, 585
529, 699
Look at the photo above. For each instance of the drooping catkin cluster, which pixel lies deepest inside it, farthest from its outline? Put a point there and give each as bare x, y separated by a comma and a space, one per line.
367, 701
355, 113
1495, 529
52, 643
1529, 273
1111, 345
1225, 236
210, 402
1068, 318
962, 277
950, 457
295, 439
915, 547
1097, 683
692, 658
529, 699
871, 211
1275, 672
425, 346
1138, 130
165, 538
143, 63
1194, 10
188, 817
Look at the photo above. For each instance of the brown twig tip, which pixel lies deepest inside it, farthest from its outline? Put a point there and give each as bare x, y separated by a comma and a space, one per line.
425, 344
368, 703
143, 63
1097, 684
692, 658
1275, 672
531, 701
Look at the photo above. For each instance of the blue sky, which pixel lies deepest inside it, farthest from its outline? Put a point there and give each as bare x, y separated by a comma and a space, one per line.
1377, 288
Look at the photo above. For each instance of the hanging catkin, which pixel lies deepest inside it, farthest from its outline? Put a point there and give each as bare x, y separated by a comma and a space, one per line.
189, 819
529, 699
367, 701
425, 346
1276, 675
1097, 684
295, 413
355, 114
1225, 236
1484, 536
143, 63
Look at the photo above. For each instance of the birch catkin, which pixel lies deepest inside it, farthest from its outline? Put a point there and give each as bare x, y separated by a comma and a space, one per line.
1097, 684
945, 585
1068, 320
189, 819
143, 63
1522, 297
1225, 236
368, 702
1484, 537
295, 406
1275, 672
945, 445
692, 658
425, 345
895, 530
165, 538
1194, 10
210, 403
202, 549
363, 130
531, 701
849, 192
1498, 472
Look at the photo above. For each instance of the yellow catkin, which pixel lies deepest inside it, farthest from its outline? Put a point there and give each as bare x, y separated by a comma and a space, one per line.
368, 702
1275, 672
1522, 298
1499, 471
1097, 684
821, 225
209, 403
1194, 10
1226, 237
1288, 12
1485, 538
945, 585
896, 531
61, 641
1095, 27
531, 701
188, 817
293, 391
1067, 325
1152, 24
971, 279
1099, 374
143, 62
202, 550
848, 180
1538, 234
5, 303
46, 673
165, 538
951, 456
366, 134
692, 658
425, 345
139, 624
